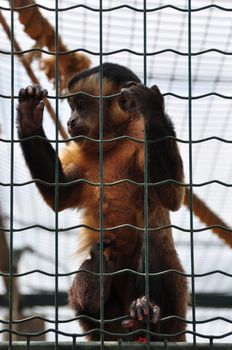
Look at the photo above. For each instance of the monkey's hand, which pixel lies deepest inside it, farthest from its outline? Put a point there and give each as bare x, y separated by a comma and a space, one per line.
30, 110
84, 295
141, 99
140, 310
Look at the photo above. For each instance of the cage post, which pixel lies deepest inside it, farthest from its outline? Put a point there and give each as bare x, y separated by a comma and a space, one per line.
191, 168
146, 209
11, 244
101, 184
57, 173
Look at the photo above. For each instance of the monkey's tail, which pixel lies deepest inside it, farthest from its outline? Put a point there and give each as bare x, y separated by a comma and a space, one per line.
208, 217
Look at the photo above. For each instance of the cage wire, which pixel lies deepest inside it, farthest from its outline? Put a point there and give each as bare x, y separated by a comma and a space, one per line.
185, 48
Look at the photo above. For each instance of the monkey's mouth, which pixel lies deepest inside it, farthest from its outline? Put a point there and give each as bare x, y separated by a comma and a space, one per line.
77, 127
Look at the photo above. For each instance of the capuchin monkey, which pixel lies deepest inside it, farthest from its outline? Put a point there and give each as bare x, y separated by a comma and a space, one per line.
134, 110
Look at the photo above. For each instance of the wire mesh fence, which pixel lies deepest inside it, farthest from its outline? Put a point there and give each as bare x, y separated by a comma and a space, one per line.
12, 275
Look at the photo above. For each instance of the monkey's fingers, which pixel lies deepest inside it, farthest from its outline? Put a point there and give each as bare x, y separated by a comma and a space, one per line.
22, 93
35, 92
136, 98
126, 100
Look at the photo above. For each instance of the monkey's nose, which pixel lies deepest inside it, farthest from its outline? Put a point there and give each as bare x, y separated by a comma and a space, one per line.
72, 122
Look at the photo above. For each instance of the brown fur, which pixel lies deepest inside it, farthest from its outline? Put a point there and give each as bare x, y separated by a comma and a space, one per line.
113, 211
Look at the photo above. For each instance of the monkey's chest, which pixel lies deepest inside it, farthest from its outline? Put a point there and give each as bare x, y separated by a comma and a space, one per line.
117, 203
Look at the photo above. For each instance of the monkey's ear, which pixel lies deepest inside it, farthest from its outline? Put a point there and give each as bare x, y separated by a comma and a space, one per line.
158, 96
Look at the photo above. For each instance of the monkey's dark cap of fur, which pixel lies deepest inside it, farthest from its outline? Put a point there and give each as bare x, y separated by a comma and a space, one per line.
112, 71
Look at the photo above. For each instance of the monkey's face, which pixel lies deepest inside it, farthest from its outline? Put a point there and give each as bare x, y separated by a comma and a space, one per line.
85, 109
83, 119
84, 106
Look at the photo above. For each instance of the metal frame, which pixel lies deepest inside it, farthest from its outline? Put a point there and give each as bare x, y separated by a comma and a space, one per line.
113, 346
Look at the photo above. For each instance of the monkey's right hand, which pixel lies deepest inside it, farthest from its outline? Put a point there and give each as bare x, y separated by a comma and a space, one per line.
30, 110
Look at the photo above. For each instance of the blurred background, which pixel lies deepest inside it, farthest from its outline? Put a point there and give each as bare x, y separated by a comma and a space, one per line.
167, 28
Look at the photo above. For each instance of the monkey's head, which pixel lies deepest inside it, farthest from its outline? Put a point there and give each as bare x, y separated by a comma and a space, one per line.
84, 105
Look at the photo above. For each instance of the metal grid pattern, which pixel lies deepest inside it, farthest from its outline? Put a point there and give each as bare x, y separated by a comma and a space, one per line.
145, 11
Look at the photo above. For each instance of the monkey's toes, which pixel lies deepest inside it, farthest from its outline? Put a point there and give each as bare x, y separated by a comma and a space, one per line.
140, 310
128, 324
155, 313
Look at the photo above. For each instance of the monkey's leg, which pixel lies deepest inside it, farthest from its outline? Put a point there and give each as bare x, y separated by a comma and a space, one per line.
84, 294
169, 290
38, 152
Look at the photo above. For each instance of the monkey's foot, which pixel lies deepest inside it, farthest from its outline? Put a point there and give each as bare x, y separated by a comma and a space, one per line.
140, 309
30, 109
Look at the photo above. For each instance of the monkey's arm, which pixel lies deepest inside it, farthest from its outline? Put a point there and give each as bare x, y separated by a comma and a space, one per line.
164, 161
38, 152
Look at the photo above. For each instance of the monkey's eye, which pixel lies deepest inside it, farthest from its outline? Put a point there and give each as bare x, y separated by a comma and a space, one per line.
81, 105
71, 104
